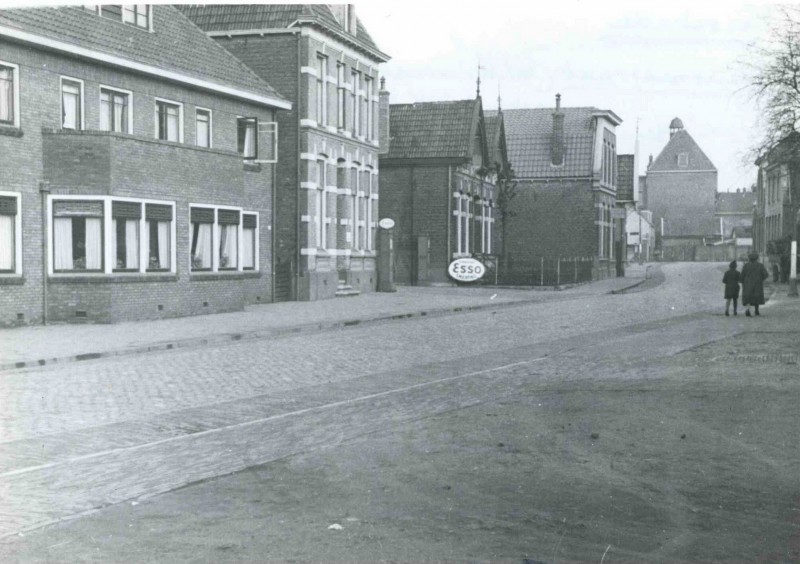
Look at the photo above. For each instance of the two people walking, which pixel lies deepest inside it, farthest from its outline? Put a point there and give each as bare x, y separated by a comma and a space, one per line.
751, 278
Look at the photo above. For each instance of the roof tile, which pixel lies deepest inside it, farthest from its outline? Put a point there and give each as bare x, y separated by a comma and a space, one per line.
432, 129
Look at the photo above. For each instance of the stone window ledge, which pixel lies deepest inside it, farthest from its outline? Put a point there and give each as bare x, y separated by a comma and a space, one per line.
111, 279
11, 280
216, 276
10, 131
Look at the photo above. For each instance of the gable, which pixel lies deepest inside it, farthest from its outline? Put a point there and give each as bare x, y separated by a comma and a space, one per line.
681, 153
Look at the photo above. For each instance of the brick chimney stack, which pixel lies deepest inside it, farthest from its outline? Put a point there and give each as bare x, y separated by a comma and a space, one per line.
557, 150
383, 117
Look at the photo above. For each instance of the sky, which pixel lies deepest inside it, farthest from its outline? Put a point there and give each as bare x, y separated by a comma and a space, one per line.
648, 62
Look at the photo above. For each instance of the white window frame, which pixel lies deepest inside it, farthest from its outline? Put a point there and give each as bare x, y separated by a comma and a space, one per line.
17, 272
269, 128
129, 94
108, 251
256, 247
215, 240
15, 75
322, 210
61, 80
370, 218
322, 90
180, 117
210, 126
355, 171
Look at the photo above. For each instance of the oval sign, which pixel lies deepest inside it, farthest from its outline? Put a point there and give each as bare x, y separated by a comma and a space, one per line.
466, 269
386, 223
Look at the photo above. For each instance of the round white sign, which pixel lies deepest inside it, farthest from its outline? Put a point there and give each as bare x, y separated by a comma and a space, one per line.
386, 223
466, 269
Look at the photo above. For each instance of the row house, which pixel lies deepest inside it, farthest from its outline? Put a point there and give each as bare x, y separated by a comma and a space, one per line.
776, 213
565, 160
321, 58
439, 173
138, 168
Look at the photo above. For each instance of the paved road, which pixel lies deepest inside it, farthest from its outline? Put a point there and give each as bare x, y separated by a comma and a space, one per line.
79, 438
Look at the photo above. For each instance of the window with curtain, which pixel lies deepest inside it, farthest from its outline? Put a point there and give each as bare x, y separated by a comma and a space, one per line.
246, 138
8, 225
203, 128
202, 224
71, 105
168, 120
249, 234
77, 235
125, 217
114, 108
228, 225
156, 238
7, 77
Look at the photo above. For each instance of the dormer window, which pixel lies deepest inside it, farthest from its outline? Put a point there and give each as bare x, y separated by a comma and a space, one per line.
134, 14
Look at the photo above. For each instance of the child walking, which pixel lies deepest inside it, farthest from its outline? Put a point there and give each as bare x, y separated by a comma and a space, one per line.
731, 281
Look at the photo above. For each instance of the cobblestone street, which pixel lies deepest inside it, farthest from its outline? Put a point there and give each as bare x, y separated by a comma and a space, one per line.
78, 438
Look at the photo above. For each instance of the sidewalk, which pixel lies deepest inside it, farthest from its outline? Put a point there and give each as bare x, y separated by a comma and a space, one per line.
22, 347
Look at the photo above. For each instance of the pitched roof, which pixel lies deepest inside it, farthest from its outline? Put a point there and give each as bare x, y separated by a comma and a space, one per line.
735, 202
681, 142
428, 130
495, 136
175, 44
625, 174
529, 138
241, 17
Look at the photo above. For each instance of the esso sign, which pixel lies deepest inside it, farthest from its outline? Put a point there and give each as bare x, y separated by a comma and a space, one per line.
466, 269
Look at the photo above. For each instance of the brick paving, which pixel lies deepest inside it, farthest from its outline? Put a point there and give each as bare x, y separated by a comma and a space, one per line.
39, 345
76, 437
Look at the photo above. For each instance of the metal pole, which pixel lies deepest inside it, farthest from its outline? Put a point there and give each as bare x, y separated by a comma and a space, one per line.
558, 271
541, 274
575, 262
44, 190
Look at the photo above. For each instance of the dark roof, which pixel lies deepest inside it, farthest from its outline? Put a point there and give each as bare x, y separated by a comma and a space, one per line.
429, 130
242, 17
625, 172
681, 142
735, 202
175, 44
495, 136
529, 138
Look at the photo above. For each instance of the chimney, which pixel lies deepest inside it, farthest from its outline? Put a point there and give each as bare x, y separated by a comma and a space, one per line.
557, 149
383, 118
650, 162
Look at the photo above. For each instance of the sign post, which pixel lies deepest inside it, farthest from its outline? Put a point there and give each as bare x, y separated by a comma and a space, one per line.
793, 271
386, 255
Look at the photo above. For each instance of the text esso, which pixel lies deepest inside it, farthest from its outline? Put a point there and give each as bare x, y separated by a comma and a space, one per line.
466, 269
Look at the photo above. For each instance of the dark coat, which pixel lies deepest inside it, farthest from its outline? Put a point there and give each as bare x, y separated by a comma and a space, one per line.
731, 281
752, 277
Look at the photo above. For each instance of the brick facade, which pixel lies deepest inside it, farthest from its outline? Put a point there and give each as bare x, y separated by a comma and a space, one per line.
92, 163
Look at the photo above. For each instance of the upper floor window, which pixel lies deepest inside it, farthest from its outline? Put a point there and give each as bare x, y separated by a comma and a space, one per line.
368, 82
71, 103
202, 127
246, 138
354, 82
322, 90
115, 110
341, 98
683, 159
133, 14
9, 94
257, 141
169, 121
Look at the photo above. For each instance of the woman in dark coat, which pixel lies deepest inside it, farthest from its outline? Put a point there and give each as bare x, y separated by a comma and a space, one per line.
731, 281
752, 277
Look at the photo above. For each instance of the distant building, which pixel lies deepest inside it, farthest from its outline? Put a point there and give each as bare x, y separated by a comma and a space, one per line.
566, 163
681, 189
734, 210
438, 186
321, 57
138, 161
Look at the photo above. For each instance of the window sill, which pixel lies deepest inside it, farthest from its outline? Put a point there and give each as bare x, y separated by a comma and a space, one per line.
10, 131
11, 280
232, 275
251, 167
118, 278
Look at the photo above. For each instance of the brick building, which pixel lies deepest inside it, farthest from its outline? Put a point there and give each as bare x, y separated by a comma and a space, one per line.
321, 58
734, 210
681, 193
438, 186
137, 177
776, 215
565, 162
